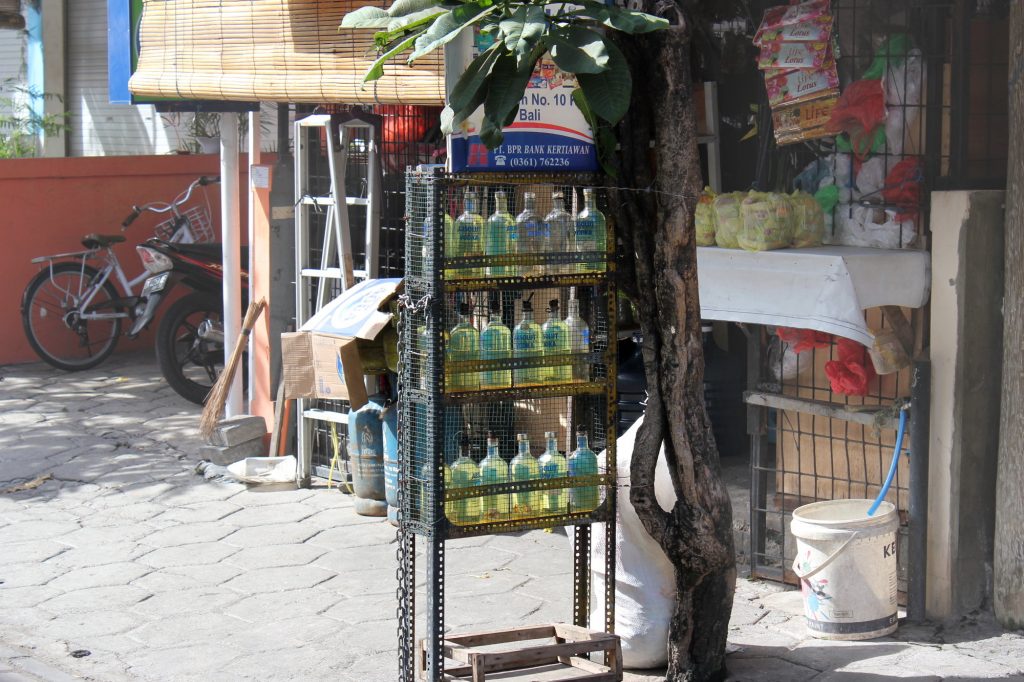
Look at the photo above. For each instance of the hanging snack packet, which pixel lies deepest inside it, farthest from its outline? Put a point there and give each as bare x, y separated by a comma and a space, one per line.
817, 29
704, 218
767, 222
776, 17
803, 121
808, 220
799, 85
787, 56
728, 221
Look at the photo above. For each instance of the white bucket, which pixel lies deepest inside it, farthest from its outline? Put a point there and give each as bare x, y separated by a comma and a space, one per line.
846, 562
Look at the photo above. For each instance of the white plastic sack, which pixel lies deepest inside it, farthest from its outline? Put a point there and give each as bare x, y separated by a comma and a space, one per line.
645, 580
871, 179
902, 86
872, 227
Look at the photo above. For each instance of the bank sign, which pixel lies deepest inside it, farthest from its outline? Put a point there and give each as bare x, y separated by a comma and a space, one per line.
549, 133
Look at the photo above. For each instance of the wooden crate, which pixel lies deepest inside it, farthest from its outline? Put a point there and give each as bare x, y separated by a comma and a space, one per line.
480, 653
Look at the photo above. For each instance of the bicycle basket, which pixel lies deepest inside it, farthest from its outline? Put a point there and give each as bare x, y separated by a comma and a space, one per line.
199, 222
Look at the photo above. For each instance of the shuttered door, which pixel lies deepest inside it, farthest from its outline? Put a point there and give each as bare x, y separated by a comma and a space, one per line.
270, 50
99, 128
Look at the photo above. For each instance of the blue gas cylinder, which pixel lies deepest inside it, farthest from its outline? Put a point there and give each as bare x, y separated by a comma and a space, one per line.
366, 457
391, 464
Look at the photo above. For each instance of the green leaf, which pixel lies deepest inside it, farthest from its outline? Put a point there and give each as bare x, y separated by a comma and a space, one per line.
506, 86
625, 20
414, 20
401, 8
523, 29
579, 50
448, 26
472, 79
604, 138
366, 17
491, 134
608, 92
376, 69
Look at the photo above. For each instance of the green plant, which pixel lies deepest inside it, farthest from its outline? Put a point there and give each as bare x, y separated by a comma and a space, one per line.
21, 126
523, 30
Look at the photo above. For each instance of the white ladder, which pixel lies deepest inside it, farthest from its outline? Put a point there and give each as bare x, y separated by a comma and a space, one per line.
335, 269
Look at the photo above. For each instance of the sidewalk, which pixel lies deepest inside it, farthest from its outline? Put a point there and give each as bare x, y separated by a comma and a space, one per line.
122, 564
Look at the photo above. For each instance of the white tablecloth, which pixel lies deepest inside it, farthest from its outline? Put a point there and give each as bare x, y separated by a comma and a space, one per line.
826, 288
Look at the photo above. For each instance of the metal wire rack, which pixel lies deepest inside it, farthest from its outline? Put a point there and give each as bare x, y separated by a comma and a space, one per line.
199, 224
501, 412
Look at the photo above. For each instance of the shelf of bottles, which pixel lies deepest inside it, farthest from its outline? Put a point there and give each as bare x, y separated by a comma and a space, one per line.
507, 419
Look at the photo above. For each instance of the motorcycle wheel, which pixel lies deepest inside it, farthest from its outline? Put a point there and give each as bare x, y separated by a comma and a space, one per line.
190, 364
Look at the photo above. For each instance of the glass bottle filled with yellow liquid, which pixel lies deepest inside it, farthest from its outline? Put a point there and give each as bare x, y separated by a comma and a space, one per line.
500, 235
555, 339
463, 473
591, 232
466, 238
493, 470
463, 345
496, 344
552, 464
524, 467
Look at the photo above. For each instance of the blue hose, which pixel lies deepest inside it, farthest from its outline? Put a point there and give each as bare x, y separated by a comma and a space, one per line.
893, 466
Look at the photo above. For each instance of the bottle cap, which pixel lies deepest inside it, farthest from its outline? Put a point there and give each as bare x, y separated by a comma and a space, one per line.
521, 437
549, 434
464, 308
527, 306
557, 195
500, 194
495, 305
581, 430
553, 304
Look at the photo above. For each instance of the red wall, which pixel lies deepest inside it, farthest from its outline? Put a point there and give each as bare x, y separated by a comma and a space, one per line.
47, 205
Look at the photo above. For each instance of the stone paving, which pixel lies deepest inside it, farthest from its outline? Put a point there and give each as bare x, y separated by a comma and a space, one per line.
122, 564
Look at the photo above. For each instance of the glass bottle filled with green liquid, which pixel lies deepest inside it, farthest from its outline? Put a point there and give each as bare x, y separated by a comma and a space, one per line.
524, 467
467, 237
555, 339
591, 232
579, 339
500, 235
553, 465
527, 343
463, 345
463, 473
496, 344
493, 470
530, 231
558, 228
583, 462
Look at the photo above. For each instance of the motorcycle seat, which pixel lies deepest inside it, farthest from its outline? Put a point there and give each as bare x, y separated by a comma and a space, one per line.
210, 251
101, 241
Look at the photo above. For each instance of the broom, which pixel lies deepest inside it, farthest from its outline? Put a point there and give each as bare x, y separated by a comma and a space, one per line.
219, 393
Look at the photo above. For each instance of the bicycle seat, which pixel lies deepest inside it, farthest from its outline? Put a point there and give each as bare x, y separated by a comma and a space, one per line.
101, 241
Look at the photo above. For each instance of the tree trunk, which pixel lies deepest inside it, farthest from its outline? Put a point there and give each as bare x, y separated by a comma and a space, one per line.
657, 228
1008, 597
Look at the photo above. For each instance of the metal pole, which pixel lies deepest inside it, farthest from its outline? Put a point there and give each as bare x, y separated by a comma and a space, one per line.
231, 244
254, 158
920, 408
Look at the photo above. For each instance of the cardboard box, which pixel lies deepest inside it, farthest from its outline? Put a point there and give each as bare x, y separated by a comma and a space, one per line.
321, 360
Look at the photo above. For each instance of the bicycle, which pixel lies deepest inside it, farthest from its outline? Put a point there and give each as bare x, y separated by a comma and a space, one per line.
72, 311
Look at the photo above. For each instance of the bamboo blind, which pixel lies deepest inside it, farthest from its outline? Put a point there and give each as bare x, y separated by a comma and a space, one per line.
271, 50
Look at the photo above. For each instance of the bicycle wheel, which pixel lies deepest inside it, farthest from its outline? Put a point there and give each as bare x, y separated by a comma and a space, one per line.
52, 318
190, 363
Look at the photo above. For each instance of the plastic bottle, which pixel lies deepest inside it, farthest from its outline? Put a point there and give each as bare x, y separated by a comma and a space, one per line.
467, 237
530, 231
493, 470
553, 465
558, 228
498, 233
579, 338
527, 343
524, 467
463, 473
496, 344
591, 232
463, 345
555, 336
583, 462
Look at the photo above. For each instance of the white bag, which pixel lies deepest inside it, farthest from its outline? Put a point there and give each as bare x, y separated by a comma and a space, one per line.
645, 587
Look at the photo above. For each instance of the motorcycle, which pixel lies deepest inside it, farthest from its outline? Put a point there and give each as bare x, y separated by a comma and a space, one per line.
190, 337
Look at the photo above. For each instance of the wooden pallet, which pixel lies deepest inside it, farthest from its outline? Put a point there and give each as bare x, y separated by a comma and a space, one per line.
568, 650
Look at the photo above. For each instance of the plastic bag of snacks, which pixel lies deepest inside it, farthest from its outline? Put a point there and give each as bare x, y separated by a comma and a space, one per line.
767, 222
728, 221
704, 218
808, 220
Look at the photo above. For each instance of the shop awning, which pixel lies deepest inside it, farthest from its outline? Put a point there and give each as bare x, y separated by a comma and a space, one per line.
270, 50
826, 288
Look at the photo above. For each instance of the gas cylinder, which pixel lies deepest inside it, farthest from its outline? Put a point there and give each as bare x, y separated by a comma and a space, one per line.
366, 457
391, 464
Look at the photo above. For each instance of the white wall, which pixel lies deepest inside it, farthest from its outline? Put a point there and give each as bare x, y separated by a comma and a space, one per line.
12, 62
